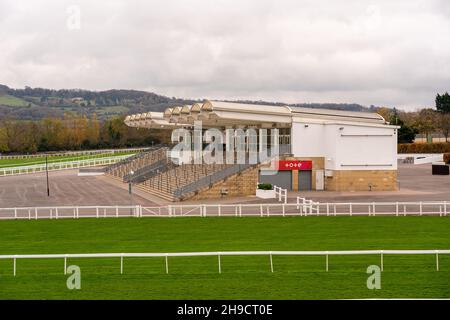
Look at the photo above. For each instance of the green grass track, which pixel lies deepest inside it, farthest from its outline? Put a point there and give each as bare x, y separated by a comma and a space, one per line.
244, 277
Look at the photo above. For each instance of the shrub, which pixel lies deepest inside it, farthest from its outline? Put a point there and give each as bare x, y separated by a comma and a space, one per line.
447, 158
438, 147
265, 186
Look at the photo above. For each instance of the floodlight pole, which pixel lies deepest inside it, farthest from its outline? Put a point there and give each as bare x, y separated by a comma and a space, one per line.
46, 172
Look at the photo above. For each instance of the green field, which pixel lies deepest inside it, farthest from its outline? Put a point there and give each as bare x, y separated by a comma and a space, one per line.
7, 100
8, 163
242, 277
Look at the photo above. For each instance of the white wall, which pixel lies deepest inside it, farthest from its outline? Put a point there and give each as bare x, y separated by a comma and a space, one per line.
355, 147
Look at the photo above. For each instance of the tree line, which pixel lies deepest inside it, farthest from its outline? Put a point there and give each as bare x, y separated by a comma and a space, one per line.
425, 121
73, 132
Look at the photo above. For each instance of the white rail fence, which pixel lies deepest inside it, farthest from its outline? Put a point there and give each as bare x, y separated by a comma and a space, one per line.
280, 193
72, 153
303, 207
10, 171
270, 254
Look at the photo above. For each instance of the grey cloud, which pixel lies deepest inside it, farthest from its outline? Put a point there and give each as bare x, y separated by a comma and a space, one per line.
369, 52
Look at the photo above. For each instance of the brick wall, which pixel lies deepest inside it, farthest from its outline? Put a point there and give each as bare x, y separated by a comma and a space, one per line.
241, 184
359, 180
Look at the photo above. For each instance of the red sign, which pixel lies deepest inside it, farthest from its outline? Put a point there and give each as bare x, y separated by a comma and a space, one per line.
294, 165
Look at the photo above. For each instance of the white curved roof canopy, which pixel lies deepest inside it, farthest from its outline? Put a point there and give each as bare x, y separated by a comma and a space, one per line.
230, 114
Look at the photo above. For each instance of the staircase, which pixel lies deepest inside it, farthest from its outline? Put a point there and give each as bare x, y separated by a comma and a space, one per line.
123, 168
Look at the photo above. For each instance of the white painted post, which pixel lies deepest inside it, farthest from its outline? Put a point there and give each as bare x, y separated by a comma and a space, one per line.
78, 213
35, 213
65, 265
169, 208
240, 210
445, 208
117, 211
396, 209
219, 209
271, 262
121, 264
29, 214
334, 210
220, 265
14, 267
261, 210
326, 261
373, 209
204, 210
328, 209
351, 209
437, 260
96, 211
56, 213
283, 205
298, 203
15, 213
404, 210
420, 206
167, 264
382, 262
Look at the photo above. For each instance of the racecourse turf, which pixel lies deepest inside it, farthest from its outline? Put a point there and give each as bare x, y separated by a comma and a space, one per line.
244, 277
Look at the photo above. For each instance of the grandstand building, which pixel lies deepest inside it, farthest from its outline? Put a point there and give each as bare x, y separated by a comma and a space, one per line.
319, 150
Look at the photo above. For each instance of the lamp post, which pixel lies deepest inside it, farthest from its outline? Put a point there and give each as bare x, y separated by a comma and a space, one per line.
46, 172
130, 191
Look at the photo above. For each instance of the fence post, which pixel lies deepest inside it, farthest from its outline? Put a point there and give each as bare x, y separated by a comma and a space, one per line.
351, 209
14, 266
396, 209
445, 208
420, 206
96, 211
169, 208
382, 262
283, 205
328, 209
219, 209
35, 212
121, 263
261, 210
117, 211
240, 210
374, 211
437, 260
167, 264
15, 213
271, 262
220, 266
326, 261
56, 213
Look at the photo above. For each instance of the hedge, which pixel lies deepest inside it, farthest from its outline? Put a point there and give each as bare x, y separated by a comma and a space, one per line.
438, 147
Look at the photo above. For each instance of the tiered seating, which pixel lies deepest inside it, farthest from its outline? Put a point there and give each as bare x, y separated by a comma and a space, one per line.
120, 170
165, 183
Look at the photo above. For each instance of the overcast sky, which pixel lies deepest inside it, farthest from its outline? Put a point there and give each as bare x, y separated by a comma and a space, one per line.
393, 53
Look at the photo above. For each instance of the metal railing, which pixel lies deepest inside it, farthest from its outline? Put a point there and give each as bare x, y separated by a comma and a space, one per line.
136, 156
220, 254
11, 171
305, 208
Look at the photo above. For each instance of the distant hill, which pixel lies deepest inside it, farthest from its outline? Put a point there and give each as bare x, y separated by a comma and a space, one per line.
38, 103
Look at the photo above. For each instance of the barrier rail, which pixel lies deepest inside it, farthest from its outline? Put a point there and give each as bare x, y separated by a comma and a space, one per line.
11, 171
280, 193
303, 207
71, 153
219, 254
